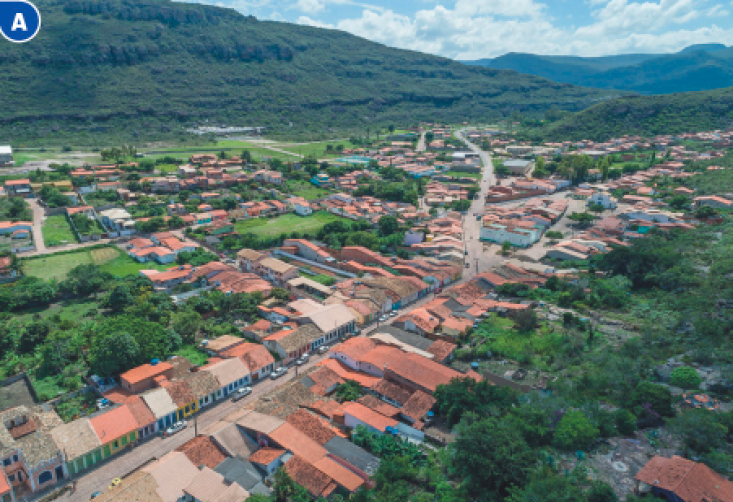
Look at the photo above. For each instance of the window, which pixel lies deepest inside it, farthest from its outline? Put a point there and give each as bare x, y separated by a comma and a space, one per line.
116, 444
45, 477
11, 477
7, 461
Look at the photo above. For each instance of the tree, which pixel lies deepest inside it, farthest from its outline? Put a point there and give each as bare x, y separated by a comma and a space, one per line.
625, 422
349, 391
114, 354
280, 294
506, 247
34, 334
582, 219
685, 377
604, 165
548, 486
187, 323
490, 457
658, 396
701, 430
84, 280
553, 234
705, 212
119, 298
388, 225
176, 221
679, 201
391, 128
540, 163
575, 431
246, 156
466, 395
526, 319
597, 208
601, 492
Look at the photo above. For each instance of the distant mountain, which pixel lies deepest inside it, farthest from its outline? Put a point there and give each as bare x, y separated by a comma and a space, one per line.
695, 68
127, 70
646, 116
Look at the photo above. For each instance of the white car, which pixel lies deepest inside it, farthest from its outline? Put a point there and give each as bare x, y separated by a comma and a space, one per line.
394, 313
303, 359
384, 318
323, 349
278, 372
177, 427
241, 393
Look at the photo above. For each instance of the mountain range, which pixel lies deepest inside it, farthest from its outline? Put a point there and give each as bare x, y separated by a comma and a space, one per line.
695, 68
127, 70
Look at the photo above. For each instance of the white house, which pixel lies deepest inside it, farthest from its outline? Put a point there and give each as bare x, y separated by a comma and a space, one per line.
516, 236
300, 206
231, 375
117, 219
604, 199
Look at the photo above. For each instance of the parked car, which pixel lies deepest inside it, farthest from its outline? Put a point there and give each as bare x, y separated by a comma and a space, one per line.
278, 372
323, 349
384, 318
394, 313
95, 495
303, 359
241, 393
177, 427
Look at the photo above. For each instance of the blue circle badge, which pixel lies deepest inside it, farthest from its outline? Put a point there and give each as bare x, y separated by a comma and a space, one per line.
19, 20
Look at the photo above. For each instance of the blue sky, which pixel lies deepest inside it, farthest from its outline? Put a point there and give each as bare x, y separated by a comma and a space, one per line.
473, 29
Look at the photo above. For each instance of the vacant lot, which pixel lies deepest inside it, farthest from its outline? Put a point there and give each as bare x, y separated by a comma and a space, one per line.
461, 174
287, 223
57, 231
110, 259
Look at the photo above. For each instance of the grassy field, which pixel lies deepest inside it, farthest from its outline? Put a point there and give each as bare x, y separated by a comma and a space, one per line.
317, 149
287, 223
306, 190
57, 231
458, 174
193, 354
167, 168
110, 259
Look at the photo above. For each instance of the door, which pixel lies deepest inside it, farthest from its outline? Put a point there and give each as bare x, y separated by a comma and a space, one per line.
59, 473
107, 451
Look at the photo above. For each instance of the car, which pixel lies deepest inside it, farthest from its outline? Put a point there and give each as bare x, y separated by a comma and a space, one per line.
394, 313
241, 393
176, 427
95, 495
323, 349
383, 318
115, 482
466, 253
303, 359
468, 265
278, 372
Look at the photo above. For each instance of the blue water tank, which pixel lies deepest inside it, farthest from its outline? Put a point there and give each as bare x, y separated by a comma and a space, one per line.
154, 362
474, 366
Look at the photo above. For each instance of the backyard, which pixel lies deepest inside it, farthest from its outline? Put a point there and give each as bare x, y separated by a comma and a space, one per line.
57, 231
285, 224
460, 174
306, 190
7, 242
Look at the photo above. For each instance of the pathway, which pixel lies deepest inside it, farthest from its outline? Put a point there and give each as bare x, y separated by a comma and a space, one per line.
421, 146
39, 214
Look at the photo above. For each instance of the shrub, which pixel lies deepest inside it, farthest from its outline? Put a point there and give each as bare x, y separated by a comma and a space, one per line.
574, 431
685, 377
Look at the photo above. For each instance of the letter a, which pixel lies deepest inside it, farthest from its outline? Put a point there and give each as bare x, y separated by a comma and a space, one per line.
19, 23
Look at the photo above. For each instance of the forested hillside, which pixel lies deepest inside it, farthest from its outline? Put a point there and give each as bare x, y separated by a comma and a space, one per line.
147, 69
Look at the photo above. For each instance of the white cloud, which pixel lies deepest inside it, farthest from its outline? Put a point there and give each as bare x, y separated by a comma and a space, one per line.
475, 29
312, 22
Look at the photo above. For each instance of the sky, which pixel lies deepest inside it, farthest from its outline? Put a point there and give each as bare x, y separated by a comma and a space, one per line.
475, 29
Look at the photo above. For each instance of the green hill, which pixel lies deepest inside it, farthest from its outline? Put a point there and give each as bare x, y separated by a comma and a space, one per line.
647, 116
696, 68
144, 70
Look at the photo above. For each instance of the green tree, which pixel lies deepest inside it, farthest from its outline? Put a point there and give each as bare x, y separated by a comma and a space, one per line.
119, 298
701, 430
175, 221
625, 422
679, 201
506, 247
187, 323
601, 492
575, 431
658, 396
114, 354
84, 280
685, 377
349, 391
388, 225
490, 457
464, 395
548, 487
280, 294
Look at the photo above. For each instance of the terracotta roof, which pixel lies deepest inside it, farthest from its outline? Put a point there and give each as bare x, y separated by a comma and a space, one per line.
181, 393
312, 426
138, 487
306, 475
392, 391
76, 438
363, 379
379, 406
441, 349
355, 347
339, 473
172, 472
202, 384
418, 405
202, 450
265, 456
369, 417
690, 481
254, 355
136, 375
227, 371
295, 441
423, 372
115, 423
141, 412
382, 356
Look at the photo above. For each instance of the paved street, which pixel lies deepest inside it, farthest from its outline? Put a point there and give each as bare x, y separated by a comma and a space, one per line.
421, 146
39, 215
150, 449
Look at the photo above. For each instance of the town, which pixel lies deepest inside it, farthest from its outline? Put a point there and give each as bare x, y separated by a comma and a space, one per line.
235, 325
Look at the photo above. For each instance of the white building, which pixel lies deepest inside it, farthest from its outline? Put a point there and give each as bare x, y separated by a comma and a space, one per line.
516, 236
604, 199
6, 156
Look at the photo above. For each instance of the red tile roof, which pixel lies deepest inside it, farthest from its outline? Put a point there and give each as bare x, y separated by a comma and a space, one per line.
265, 456
306, 475
339, 473
202, 450
418, 405
376, 404
690, 481
115, 423
369, 417
137, 375
312, 426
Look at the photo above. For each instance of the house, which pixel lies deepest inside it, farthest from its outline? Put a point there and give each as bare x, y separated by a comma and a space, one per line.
204, 387
210, 486
29, 456
143, 377
321, 180
519, 167
11, 227
680, 480
334, 321
713, 201
308, 250
202, 218
6, 159
290, 344
117, 220
276, 271
81, 446
6, 491
218, 215
161, 404
19, 188
604, 199
513, 232
116, 429
265, 176
300, 206
182, 395
256, 357
230, 373
159, 254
